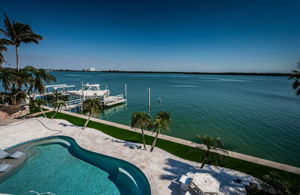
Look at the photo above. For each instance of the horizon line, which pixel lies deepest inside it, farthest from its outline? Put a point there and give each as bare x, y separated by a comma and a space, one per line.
178, 72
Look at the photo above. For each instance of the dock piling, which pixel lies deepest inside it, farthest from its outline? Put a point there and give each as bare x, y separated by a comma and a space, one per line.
125, 90
149, 98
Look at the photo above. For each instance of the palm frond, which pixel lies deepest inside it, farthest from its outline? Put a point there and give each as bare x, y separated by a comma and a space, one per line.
210, 142
3, 32
296, 84
296, 76
298, 92
18, 32
92, 106
140, 120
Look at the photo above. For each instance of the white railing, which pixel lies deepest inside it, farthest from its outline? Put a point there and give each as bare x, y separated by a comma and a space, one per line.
72, 102
105, 100
60, 86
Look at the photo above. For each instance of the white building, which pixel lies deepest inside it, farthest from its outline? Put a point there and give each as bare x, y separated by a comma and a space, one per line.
90, 69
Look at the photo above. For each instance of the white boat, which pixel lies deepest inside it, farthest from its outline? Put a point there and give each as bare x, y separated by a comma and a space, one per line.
113, 100
90, 91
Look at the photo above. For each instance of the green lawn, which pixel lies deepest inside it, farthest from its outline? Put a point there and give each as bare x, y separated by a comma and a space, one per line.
180, 150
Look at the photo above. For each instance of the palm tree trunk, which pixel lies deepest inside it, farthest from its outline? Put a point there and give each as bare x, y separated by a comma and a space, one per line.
43, 112
205, 158
55, 113
17, 58
14, 99
154, 141
143, 138
87, 121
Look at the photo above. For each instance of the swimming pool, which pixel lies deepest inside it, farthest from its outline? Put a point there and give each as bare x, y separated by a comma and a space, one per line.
57, 165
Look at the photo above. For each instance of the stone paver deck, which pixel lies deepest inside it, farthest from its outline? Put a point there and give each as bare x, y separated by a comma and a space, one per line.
161, 168
8, 121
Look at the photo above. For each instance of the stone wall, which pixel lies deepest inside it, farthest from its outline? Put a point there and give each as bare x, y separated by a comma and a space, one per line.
13, 111
3, 115
20, 113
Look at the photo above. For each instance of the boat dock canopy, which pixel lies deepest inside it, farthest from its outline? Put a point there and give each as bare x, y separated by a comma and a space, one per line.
60, 86
92, 85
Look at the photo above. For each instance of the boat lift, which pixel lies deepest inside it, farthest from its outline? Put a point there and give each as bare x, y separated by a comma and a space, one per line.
77, 97
63, 87
50, 89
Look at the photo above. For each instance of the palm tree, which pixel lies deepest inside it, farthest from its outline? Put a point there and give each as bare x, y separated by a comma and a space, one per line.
17, 33
58, 101
161, 123
55, 96
37, 104
24, 81
296, 76
39, 77
5, 97
143, 121
6, 77
14, 83
211, 143
57, 105
91, 107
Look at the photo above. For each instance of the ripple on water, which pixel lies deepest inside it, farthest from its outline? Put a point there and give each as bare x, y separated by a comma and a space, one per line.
184, 86
233, 80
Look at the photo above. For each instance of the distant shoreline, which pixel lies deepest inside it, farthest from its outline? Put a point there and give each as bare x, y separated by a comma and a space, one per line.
174, 72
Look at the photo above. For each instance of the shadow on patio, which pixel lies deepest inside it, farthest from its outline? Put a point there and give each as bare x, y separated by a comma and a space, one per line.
175, 169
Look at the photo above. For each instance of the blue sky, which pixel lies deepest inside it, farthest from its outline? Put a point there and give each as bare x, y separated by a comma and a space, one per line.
186, 35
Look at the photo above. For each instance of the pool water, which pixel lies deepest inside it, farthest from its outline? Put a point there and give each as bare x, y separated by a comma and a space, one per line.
53, 168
